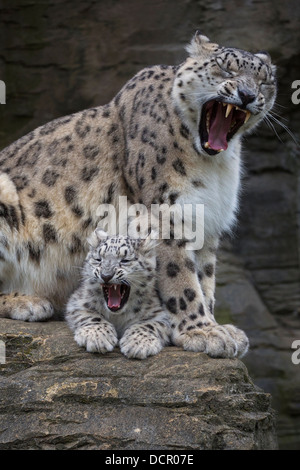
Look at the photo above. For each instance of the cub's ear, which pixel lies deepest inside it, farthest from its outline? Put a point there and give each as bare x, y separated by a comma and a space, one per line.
200, 44
148, 244
101, 234
147, 248
96, 237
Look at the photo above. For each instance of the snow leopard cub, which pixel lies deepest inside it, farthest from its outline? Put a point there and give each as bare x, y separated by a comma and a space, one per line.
117, 301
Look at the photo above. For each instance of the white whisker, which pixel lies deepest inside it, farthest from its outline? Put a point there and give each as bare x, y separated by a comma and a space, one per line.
272, 127
273, 113
279, 106
89, 278
270, 116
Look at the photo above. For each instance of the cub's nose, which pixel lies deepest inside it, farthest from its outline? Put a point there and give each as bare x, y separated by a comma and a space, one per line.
106, 277
246, 96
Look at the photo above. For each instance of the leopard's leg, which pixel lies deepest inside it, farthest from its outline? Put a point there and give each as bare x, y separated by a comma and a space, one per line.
146, 338
13, 272
206, 260
25, 307
91, 329
18, 300
206, 271
188, 298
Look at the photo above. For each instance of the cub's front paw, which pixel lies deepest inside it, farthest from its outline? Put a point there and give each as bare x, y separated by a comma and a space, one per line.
225, 341
97, 338
139, 344
26, 308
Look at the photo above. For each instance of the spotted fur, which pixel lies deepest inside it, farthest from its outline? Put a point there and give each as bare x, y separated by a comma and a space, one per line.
141, 326
147, 144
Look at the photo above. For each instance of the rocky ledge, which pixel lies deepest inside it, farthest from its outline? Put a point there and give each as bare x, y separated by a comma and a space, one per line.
54, 395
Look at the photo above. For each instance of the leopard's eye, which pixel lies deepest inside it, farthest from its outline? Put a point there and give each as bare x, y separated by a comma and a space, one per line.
225, 68
124, 261
270, 81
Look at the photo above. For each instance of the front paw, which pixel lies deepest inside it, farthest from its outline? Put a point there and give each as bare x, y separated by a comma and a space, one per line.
97, 338
139, 345
225, 341
28, 308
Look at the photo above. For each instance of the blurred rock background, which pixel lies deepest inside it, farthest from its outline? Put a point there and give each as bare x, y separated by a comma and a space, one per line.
62, 56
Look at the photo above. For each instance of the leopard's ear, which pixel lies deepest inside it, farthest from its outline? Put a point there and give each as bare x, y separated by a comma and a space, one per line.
200, 44
265, 57
97, 237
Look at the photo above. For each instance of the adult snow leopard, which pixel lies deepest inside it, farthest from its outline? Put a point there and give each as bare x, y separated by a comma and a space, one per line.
171, 135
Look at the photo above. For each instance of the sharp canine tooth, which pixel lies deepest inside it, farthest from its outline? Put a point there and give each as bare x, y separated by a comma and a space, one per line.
115, 287
228, 110
207, 123
248, 114
206, 145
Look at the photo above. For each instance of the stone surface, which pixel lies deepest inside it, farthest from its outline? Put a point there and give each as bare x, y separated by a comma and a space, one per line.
59, 57
54, 395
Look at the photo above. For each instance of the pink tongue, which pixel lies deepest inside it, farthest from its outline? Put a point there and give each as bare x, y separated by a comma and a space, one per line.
114, 297
219, 129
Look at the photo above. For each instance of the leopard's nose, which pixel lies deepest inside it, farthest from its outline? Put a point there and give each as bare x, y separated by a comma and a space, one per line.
246, 96
106, 277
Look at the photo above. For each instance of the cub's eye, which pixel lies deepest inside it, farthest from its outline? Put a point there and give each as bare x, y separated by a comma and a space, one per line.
98, 259
124, 261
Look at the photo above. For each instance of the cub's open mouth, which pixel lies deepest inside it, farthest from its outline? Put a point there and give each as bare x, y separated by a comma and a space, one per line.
219, 122
116, 295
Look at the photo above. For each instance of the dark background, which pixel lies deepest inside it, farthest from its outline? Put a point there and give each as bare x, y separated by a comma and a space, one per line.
61, 56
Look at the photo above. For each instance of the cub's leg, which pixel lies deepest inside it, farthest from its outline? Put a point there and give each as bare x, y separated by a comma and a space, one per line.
25, 307
188, 294
91, 329
145, 338
98, 336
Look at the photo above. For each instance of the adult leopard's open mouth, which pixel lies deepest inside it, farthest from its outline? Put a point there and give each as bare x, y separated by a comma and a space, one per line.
116, 295
219, 122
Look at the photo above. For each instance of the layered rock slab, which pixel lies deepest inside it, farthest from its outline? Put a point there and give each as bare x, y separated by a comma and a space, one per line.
54, 395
